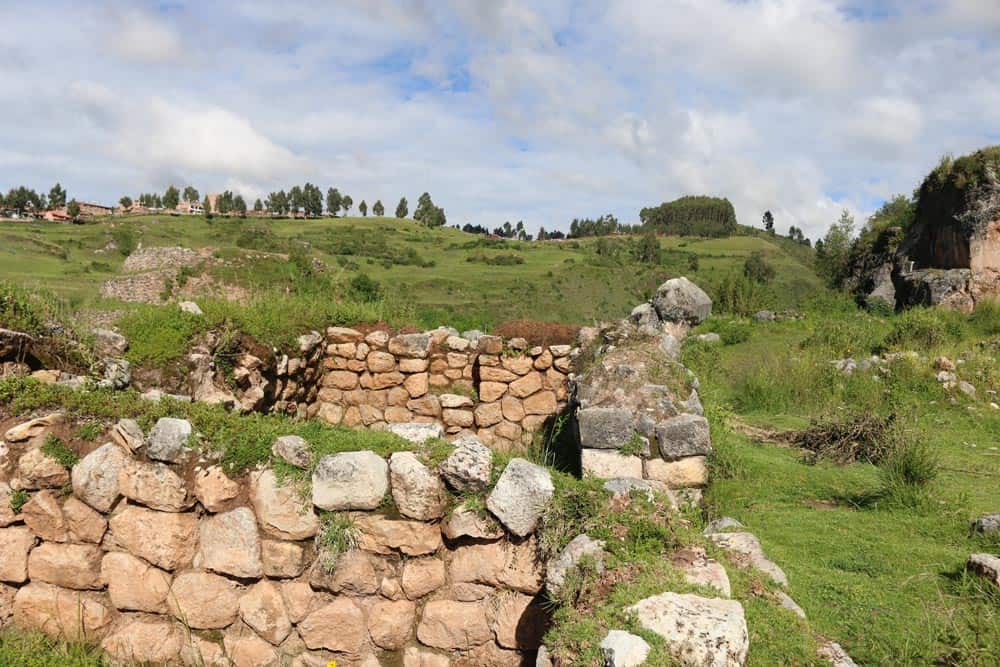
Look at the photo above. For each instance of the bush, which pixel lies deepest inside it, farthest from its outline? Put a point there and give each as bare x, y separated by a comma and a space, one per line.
926, 328
757, 269
502, 259
124, 238
364, 289
906, 471
739, 295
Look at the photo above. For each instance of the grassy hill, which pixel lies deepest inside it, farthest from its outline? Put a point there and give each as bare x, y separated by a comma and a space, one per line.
428, 276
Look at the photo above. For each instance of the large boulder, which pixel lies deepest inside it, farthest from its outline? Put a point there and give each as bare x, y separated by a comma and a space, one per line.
680, 300
350, 481
988, 523
95, 476
521, 496
699, 632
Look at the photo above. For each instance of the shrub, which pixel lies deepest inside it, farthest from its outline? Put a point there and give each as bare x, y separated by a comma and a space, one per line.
906, 471
739, 295
757, 269
502, 259
124, 238
337, 537
57, 449
365, 289
925, 328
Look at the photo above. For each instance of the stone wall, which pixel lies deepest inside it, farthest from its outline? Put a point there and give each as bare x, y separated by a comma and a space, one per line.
162, 558
502, 391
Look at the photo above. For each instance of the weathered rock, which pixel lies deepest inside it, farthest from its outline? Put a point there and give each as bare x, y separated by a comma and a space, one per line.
488, 414
623, 649
722, 524
447, 624
698, 631
748, 545
281, 510
76, 566
353, 573
38, 470
609, 464
263, 609
44, 517
214, 489
134, 584
785, 600
463, 522
986, 566
62, 613
422, 576
15, 544
230, 544
168, 439
468, 468
7, 514
418, 493
417, 433
517, 621
144, 641
33, 427
710, 337
582, 551
415, 345
669, 345
117, 374
382, 535
168, 540
390, 624
292, 449
626, 486
834, 653
700, 570
644, 315
683, 435
300, 599
337, 626
84, 524
499, 564
605, 428
520, 496
680, 300
203, 601
350, 481
281, 559
128, 434
682, 473
988, 523
95, 477
190, 307
154, 485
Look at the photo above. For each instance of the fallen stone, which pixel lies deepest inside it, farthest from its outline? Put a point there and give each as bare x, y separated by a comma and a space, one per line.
469, 466
350, 481
229, 544
521, 496
748, 545
117, 374
985, 565
582, 551
33, 428
168, 439
418, 493
292, 449
698, 631
623, 649
415, 432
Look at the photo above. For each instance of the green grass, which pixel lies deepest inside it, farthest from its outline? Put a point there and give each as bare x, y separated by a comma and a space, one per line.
57, 449
35, 650
876, 563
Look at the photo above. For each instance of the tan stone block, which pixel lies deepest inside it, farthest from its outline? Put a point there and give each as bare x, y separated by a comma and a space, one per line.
428, 405
518, 622
439, 381
390, 624
542, 403
519, 365
355, 397
543, 360
337, 626
488, 414
365, 380
43, 515
379, 534
341, 380
144, 641
379, 398
683, 473
438, 364
343, 335
62, 613
282, 559
330, 395
300, 599
386, 380
352, 417
468, 372
494, 374
422, 576
500, 564
76, 566
563, 364
457, 343
397, 396
15, 544
346, 350
460, 418
203, 601
84, 523
534, 423
488, 360
377, 339
453, 374
381, 362
490, 344
512, 408
361, 353
134, 584
491, 391
331, 413
527, 385
457, 359
370, 414
356, 366
166, 539
609, 464
447, 624
397, 415
417, 384
413, 365
508, 431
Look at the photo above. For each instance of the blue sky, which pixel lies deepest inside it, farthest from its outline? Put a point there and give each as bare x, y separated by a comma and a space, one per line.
502, 109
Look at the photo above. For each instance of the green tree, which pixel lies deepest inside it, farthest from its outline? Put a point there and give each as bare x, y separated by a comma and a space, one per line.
125, 201
692, 216
73, 210
757, 268
207, 207
648, 251
377, 209
430, 215
240, 206
768, 221
832, 259
402, 208
57, 196
258, 205
363, 207
190, 194
347, 203
171, 198
334, 201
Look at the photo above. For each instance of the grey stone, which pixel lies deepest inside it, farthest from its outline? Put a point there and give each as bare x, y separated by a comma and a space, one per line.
683, 435
308, 342
699, 632
670, 346
764, 316
605, 428
786, 601
710, 337
985, 565
748, 545
680, 300
415, 432
418, 492
292, 449
168, 439
988, 523
190, 307
415, 345
108, 343
644, 315
542, 659
624, 486
229, 543
117, 374
722, 524
469, 467
521, 496
967, 389
95, 477
350, 481
623, 649
472, 335
570, 558
835, 654
693, 404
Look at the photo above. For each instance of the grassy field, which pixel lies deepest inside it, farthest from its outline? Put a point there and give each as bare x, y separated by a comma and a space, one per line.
882, 573
428, 276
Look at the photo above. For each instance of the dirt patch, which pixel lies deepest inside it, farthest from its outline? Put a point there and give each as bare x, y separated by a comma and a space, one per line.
538, 333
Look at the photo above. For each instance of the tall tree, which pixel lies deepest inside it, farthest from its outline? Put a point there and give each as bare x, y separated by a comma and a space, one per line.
125, 201
768, 221
73, 210
402, 208
377, 209
191, 194
833, 260
295, 200
171, 198
57, 196
333, 201
348, 203
240, 206
207, 207
428, 214
363, 207
258, 205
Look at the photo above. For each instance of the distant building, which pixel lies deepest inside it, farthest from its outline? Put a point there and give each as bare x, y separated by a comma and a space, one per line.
190, 208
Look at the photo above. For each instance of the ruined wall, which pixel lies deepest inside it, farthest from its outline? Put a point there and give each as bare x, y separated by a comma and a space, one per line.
164, 560
503, 391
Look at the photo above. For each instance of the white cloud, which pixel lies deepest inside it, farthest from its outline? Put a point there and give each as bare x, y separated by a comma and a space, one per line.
144, 39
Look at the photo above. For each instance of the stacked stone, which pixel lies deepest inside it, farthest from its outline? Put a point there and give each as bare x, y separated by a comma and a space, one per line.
165, 568
631, 424
501, 392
